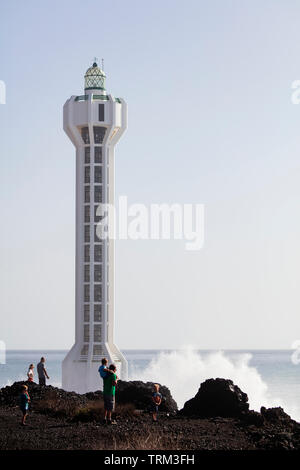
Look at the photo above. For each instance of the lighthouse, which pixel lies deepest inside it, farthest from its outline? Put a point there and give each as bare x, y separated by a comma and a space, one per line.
94, 122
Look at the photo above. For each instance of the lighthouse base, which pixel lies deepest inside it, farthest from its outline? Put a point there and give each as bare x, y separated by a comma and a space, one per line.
81, 375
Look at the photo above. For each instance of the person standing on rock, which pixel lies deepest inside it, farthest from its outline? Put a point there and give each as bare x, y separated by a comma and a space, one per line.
24, 403
30, 373
42, 373
156, 401
109, 391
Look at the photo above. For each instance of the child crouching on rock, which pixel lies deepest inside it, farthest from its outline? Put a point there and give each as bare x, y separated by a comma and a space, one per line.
24, 403
156, 401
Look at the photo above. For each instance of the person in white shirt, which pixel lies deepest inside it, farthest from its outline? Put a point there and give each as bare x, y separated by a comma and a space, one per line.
30, 373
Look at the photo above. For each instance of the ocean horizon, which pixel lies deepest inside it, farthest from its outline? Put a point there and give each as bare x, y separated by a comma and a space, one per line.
268, 376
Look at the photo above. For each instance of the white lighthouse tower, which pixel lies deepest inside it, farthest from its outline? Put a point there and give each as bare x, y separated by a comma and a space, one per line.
94, 122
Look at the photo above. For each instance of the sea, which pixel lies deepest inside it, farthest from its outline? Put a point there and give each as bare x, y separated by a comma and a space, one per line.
269, 377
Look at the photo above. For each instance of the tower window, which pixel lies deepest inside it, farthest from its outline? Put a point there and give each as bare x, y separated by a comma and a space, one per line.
97, 333
97, 293
87, 173
98, 253
85, 350
87, 214
86, 194
87, 154
97, 313
86, 333
98, 154
97, 273
86, 253
98, 174
97, 351
86, 313
99, 134
87, 273
101, 112
86, 293
85, 135
86, 233
98, 194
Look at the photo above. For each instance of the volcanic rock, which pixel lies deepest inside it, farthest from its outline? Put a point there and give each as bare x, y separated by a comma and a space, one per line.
136, 393
139, 394
217, 397
9, 396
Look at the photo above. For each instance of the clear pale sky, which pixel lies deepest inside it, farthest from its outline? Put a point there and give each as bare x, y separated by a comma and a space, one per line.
208, 87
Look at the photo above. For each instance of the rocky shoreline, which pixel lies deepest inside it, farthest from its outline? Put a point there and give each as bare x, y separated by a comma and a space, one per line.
217, 418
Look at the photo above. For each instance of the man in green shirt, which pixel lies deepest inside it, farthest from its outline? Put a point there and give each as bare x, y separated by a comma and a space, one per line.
109, 391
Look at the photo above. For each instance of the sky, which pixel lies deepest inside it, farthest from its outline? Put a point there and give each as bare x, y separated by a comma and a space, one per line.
210, 121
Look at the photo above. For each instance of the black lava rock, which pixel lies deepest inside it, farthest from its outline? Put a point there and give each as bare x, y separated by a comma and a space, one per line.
217, 397
276, 416
253, 418
9, 396
139, 394
94, 396
136, 393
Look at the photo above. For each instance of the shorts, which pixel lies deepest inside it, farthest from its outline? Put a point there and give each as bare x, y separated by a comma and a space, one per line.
154, 408
24, 410
109, 402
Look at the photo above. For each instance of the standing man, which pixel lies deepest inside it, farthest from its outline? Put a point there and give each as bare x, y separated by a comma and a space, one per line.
109, 391
42, 373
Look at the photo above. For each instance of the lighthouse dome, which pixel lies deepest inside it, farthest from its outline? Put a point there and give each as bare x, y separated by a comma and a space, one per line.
94, 78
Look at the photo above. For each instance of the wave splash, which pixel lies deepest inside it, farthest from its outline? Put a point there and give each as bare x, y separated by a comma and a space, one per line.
182, 372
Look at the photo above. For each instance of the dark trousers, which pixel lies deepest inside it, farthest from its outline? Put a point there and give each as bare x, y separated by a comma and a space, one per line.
42, 380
